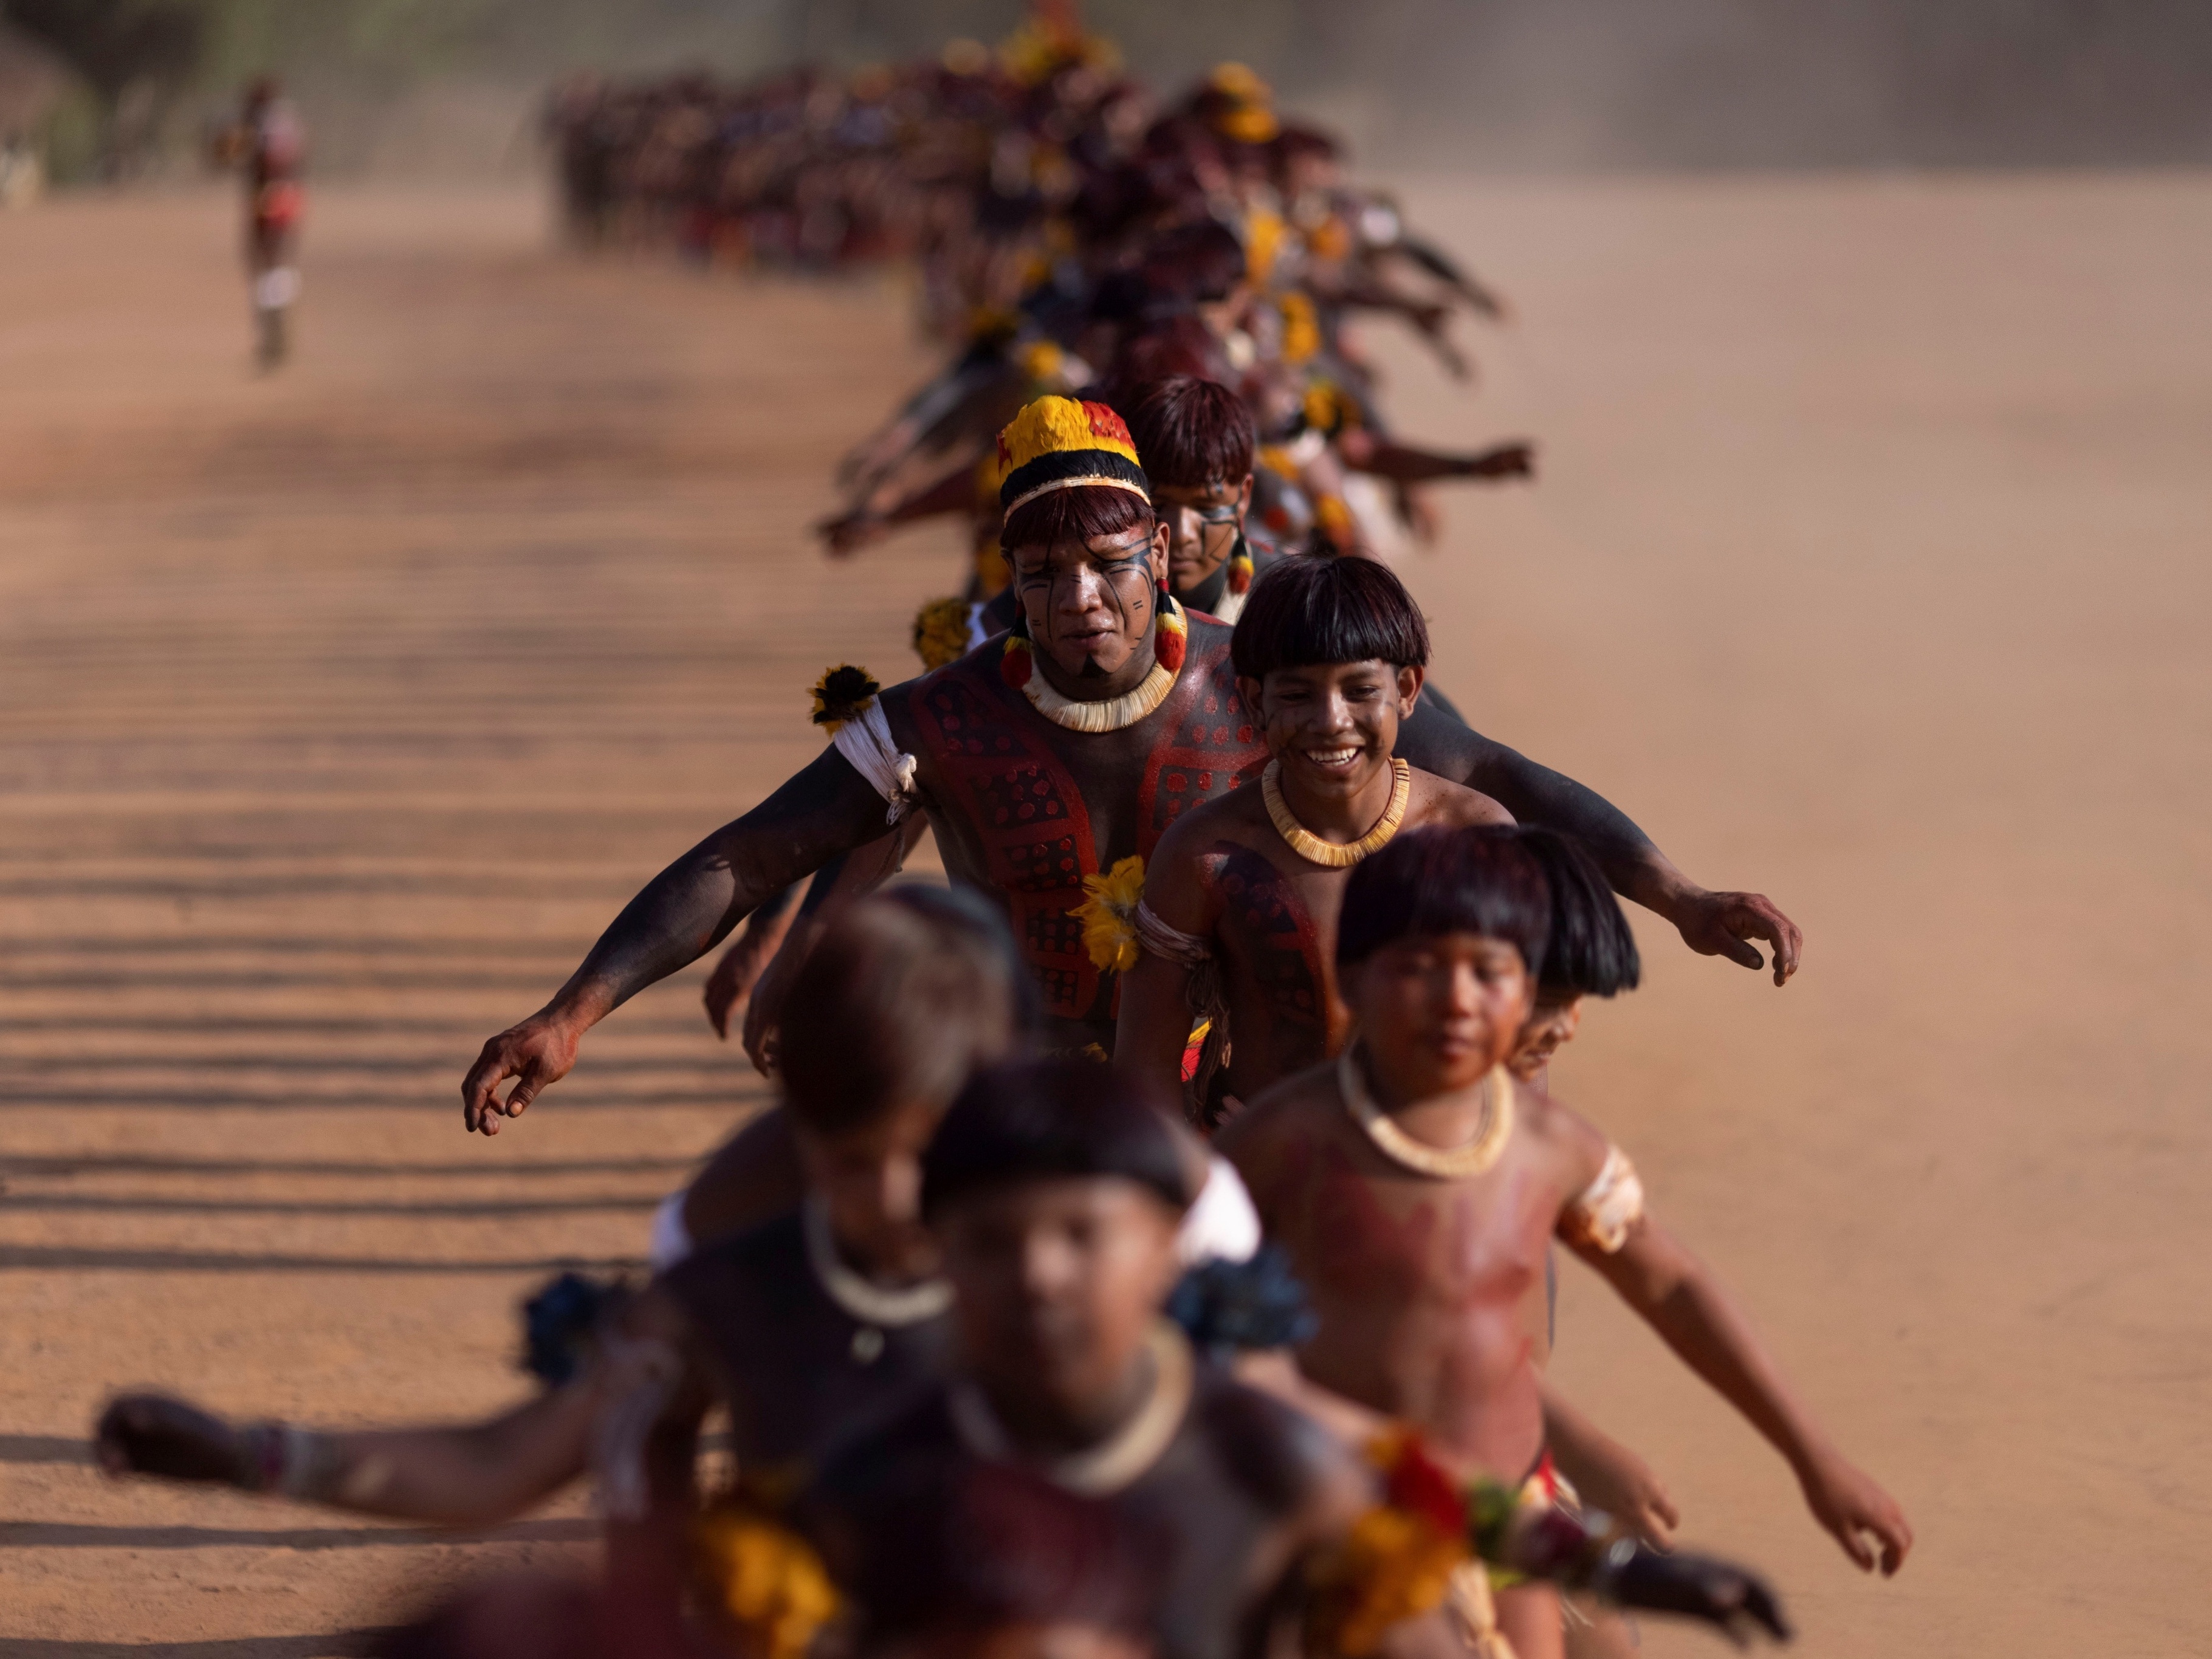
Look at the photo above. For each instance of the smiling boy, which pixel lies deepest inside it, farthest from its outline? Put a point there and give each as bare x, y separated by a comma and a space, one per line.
1241, 899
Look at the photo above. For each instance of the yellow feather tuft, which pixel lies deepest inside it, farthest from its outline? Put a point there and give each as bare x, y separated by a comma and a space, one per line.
1110, 916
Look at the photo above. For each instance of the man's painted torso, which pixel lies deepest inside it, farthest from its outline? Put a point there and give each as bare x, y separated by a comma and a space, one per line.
1025, 808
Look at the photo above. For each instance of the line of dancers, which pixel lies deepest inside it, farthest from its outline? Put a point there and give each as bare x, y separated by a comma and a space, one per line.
1152, 1251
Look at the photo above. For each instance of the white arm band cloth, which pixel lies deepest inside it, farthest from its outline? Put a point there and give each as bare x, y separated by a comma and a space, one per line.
671, 1241
1609, 1208
865, 741
1170, 943
1223, 1225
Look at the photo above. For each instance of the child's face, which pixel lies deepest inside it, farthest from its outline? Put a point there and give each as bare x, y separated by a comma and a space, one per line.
870, 1180
1056, 1285
1550, 1027
1438, 1014
1203, 524
1334, 725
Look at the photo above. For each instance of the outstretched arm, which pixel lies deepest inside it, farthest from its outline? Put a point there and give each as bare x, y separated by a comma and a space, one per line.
682, 913
637, 1367
465, 1475
1710, 923
1680, 1298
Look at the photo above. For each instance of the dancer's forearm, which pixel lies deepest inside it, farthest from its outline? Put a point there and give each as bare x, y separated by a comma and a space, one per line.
690, 906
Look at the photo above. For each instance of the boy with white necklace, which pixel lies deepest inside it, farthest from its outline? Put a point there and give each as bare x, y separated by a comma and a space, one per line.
1418, 1188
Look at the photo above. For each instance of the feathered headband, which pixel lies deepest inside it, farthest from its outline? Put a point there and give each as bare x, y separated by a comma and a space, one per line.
1059, 443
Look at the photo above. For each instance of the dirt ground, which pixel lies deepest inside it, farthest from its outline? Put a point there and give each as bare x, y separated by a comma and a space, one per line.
339, 710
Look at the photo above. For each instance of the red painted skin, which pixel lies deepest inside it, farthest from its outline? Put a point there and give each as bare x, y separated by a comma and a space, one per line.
1419, 1283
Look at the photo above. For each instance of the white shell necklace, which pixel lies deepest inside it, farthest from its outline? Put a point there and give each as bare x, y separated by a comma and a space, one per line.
1123, 1455
871, 1303
1442, 1163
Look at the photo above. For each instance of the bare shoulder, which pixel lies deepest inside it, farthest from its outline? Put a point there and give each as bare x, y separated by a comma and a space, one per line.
1231, 815
1174, 880
1285, 1114
1440, 801
1577, 1145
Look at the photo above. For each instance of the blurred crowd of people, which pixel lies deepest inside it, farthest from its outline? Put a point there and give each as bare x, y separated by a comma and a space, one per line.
1072, 231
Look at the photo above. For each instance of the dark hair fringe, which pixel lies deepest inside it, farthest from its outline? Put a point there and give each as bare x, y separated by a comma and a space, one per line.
1191, 432
1322, 609
899, 1002
1073, 515
1427, 882
1042, 1119
1591, 951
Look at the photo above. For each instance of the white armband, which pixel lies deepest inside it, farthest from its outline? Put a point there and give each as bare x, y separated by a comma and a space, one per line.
1171, 943
865, 741
1609, 1208
1223, 1225
670, 1241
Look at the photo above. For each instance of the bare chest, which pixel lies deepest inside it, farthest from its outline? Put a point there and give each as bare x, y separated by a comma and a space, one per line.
1370, 1230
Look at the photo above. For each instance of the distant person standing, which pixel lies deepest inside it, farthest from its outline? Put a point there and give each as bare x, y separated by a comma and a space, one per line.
268, 145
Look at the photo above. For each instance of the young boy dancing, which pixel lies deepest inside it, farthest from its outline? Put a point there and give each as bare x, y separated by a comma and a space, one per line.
1056, 1191
1240, 899
1417, 1190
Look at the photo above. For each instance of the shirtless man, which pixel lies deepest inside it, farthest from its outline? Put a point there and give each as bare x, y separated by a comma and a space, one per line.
1056, 1192
1243, 892
1059, 752
800, 1326
1417, 1190
1195, 438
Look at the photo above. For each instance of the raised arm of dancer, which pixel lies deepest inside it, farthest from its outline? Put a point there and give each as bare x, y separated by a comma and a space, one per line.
848, 533
682, 913
1679, 1296
1712, 923
1363, 452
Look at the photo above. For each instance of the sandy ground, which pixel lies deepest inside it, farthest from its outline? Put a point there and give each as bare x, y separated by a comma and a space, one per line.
337, 711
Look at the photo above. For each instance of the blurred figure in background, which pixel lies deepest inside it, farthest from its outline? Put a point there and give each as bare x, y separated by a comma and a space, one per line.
268, 147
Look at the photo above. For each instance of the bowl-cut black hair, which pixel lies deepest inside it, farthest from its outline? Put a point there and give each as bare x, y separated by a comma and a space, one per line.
1427, 882
1324, 609
1053, 1119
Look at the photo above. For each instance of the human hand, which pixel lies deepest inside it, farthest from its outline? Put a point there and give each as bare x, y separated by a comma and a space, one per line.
1847, 1501
1418, 513
1433, 322
1736, 1599
848, 533
766, 1006
154, 1434
537, 1054
1615, 1480
1720, 924
738, 973
1515, 460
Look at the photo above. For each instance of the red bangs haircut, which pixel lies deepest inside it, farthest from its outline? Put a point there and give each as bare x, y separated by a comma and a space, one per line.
1075, 514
